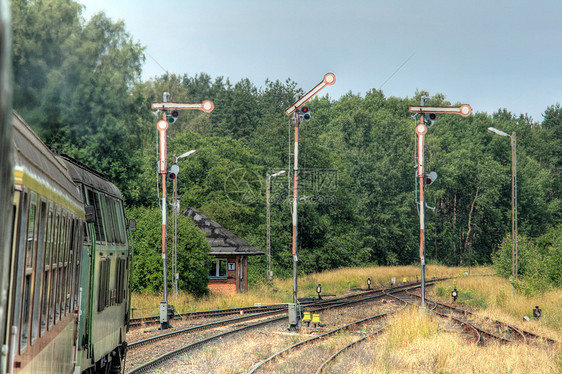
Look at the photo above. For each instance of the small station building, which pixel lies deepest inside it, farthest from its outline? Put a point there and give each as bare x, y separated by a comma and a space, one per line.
230, 271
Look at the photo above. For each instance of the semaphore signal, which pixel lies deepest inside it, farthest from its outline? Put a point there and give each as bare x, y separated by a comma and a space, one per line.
170, 112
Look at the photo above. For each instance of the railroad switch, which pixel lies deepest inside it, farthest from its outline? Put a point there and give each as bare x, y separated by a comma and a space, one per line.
319, 291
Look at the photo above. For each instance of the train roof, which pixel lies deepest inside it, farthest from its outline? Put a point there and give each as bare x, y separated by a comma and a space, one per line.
81, 173
37, 168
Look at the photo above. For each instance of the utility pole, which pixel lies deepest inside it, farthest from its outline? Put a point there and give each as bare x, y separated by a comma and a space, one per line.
162, 127
514, 269
329, 79
514, 261
268, 239
175, 210
428, 115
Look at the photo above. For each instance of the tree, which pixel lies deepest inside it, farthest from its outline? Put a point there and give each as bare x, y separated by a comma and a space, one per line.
193, 258
74, 85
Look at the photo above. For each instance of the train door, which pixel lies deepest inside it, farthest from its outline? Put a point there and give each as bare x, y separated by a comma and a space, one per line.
6, 263
6, 174
14, 293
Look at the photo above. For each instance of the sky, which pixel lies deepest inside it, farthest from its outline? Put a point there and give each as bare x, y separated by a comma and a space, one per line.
491, 54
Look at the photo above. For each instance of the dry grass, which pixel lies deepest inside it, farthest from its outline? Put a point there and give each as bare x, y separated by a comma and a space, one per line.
149, 304
414, 344
496, 299
341, 280
333, 282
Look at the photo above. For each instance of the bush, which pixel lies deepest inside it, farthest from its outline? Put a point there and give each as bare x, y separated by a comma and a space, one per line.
539, 266
193, 258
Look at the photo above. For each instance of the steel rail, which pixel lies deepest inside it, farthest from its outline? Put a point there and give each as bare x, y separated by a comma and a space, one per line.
316, 338
325, 364
134, 322
141, 321
523, 336
165, 357
471, 329
318, 306
206, 326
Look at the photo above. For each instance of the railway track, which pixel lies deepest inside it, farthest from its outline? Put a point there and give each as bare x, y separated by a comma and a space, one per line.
349, 326
152, 320
176, 342
494, 330
315, 349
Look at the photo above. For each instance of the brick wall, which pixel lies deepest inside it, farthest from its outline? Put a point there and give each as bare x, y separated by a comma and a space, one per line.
222, 288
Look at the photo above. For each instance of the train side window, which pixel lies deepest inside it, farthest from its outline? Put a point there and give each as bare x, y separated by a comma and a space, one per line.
63, 253
79, 240
46, 273
13, 236
121, 280
103, 288
120, 221
54, 263
21, 201
38, 287
58, 269
27, 281
107, 219
70, 266
68, 250
93, 199
115, 218
118, 282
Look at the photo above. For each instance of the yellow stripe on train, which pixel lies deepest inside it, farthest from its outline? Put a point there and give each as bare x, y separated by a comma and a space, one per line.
23, 177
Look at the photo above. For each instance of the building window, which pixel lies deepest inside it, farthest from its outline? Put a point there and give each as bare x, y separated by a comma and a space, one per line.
218, 270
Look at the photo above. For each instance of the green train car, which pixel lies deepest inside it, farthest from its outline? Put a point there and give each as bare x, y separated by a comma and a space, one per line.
6, 172
67, 298
105, 301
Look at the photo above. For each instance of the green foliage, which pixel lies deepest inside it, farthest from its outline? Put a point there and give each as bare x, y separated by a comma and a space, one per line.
77, 82
193, 258
539, 265
73, 82
472, 298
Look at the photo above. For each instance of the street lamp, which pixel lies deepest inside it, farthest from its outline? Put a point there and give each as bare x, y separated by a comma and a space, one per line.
175, 209
513, 198
268, 185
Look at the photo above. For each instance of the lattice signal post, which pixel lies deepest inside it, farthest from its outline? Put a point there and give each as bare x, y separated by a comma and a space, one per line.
162, 127
428, 114
329, 79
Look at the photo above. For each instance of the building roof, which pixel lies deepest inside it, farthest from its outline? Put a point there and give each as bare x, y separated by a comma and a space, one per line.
222, 241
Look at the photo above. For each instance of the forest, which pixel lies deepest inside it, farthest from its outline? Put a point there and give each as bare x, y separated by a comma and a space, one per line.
77, 82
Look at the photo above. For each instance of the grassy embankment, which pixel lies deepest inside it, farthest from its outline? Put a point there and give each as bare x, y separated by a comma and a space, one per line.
336, 282
418, 343
415, 342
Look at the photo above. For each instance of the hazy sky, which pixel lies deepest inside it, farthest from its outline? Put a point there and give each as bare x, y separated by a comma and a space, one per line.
490, 54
